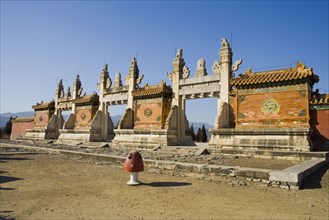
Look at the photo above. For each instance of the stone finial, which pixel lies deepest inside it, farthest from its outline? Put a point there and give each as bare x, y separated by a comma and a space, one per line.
225, 56
60, 89
68, 92
186, 72
179, 53
117, 81
216, 68
133, 70
178, 65
225, 43
105, 79
105, 69
201, 68
77, 85
133, 61
77, 79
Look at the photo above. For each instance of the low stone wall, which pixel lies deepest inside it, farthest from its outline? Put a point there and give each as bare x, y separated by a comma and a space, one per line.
293, 139
19, 126
145, 139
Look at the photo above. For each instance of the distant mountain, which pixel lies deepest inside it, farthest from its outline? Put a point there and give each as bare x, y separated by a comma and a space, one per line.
6, 116
116, 119
18, 114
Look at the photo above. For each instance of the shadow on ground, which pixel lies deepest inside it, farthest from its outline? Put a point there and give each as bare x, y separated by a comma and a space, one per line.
4, 215
314, 180
167, 184
4, 159
6, 179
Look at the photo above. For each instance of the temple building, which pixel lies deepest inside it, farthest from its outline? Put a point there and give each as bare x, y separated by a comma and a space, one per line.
271, 110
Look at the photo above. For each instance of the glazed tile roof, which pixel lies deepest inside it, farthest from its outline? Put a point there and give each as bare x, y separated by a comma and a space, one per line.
147, 90
275, 76
27, 119
44, 105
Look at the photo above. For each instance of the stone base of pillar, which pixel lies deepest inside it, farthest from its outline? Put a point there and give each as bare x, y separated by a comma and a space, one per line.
40, 134
145, 138
294, 139
86, 135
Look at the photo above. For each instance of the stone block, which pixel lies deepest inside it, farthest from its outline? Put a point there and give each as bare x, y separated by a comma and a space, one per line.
253, 173
104, 145
156, 148
202, 151
296, 174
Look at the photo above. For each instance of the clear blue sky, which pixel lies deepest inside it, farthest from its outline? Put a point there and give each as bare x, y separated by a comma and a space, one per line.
44, 41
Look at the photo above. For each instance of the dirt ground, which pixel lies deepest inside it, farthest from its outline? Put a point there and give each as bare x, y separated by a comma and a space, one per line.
43, 186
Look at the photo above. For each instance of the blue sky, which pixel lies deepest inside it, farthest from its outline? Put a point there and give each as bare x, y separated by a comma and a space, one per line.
44, 41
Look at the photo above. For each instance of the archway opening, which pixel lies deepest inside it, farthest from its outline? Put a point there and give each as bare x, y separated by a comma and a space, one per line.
201, 112
116, 112
66, 114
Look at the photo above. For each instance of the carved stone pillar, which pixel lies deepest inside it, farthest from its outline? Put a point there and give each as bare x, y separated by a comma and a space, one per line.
225, 54
104, 122
132, 80
104, 84
178, 65
76, 91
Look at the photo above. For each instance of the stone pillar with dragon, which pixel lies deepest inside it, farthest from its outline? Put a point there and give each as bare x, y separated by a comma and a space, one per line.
133, 79
180, 71
225, 69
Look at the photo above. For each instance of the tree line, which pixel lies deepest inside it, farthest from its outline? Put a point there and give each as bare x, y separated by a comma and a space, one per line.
7, 128
200, 136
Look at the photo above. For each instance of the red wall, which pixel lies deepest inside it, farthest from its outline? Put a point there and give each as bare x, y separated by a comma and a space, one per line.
320, 124
19, 128
287, 114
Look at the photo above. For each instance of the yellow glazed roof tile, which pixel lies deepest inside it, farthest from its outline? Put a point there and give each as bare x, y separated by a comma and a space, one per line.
275, 76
